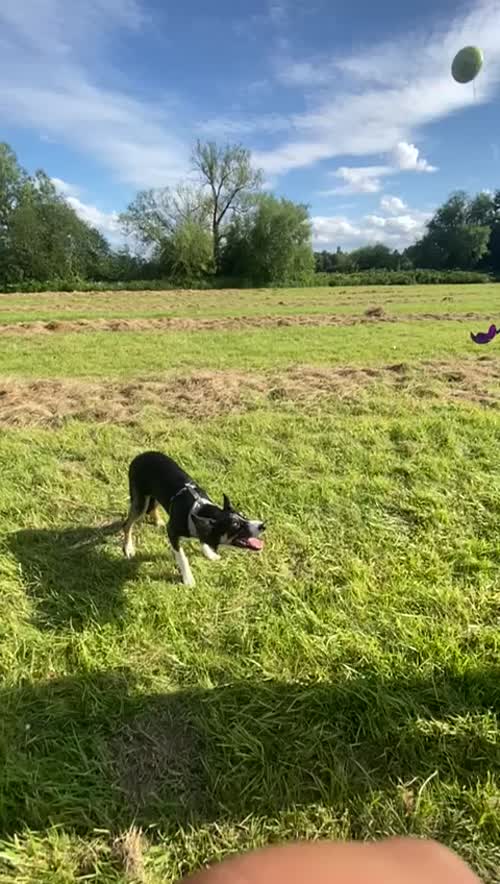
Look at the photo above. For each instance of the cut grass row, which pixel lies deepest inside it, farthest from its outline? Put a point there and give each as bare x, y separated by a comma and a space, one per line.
257, 302
149, 353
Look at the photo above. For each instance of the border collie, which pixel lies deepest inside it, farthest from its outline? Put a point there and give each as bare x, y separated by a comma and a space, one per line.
156, 479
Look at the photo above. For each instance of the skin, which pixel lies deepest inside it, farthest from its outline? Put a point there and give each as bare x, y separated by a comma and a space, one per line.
397, 861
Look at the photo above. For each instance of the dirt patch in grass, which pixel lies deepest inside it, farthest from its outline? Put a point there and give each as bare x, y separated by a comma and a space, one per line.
157, 756
208, 393
372, 316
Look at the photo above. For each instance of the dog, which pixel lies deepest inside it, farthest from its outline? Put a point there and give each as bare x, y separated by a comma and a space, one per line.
155, 479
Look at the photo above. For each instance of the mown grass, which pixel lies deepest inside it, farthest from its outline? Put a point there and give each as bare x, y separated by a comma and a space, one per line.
345, 683
146, 353
255, 302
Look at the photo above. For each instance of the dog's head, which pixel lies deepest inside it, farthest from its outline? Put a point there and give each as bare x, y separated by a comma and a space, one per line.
227, 527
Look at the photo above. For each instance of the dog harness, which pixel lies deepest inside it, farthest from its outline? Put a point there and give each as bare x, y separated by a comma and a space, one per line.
199, 501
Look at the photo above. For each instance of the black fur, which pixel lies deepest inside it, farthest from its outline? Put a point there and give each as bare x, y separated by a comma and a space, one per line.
155, 479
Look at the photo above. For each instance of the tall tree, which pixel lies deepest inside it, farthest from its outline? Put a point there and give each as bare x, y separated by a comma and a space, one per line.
452, 214
454, 240
270, 244
46, 239
152, 217
481, 210
12, 178
494, 246
186, 256
230, 180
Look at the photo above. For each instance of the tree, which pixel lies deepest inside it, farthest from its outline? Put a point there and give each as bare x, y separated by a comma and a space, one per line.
377, 256
270, 244
229, 180
333, 262
46, 239
122, 265
461, 248
152, 217
454, 240
452, 214
187, 255
481, 210
494, 245
12, 178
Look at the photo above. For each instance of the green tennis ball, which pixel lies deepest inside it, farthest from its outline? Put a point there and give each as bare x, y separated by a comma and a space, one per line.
467, 64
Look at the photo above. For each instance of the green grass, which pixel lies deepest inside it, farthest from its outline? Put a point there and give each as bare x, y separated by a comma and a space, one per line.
257, 302
145, 353
343, 684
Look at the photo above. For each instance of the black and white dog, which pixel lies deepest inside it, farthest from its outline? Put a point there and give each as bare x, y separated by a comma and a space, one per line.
156, 479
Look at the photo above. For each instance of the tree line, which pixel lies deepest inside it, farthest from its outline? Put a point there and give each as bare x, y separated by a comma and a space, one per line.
463, 235
218, 225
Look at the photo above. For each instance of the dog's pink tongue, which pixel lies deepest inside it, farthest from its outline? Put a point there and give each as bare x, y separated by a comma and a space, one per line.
255, 543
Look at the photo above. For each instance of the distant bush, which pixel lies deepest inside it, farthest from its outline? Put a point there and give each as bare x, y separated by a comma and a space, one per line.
72, 285
407, 277
363, 278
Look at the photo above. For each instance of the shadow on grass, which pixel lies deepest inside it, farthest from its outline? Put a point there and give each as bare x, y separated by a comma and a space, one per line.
93, 752
71, 583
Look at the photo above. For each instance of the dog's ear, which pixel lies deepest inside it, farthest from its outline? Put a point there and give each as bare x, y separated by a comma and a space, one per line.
228, 507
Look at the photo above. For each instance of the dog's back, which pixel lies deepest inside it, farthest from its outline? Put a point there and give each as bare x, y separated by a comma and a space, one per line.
154, 474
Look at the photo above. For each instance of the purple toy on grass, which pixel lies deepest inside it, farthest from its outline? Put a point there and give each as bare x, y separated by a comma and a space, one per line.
485, 337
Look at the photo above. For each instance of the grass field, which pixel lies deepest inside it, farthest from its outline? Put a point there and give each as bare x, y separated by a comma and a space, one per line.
345, 683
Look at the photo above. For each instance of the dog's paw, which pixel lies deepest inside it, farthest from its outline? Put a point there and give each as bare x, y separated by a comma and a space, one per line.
189, 581
129, 550
209, 553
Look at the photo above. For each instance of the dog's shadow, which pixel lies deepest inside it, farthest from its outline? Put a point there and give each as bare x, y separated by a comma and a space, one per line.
75, 576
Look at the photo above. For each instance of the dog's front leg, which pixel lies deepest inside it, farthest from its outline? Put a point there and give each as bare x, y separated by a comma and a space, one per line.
209, 553
182, 561
184, 567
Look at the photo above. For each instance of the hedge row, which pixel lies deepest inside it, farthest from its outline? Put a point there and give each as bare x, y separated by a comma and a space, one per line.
362, 278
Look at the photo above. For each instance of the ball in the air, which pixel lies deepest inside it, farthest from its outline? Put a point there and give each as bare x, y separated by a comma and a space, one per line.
467, 64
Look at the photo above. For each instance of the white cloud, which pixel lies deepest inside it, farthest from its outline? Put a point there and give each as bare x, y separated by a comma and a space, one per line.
370, 103
40, 21
397, 229
106, 222
393, 205
332, 231
46, 55
359, 179
302, 73
406, 157
367, 179
64, 188
227, 127
377, 100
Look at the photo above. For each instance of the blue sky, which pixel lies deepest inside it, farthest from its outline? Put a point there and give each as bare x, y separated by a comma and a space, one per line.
346, 104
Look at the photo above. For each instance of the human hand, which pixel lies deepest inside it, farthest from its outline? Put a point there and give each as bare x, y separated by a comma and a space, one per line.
396, 861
